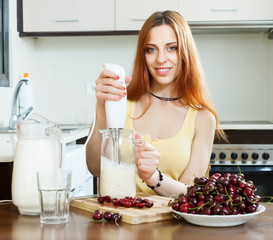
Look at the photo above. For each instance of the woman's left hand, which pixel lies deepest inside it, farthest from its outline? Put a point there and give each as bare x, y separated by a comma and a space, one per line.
147, 158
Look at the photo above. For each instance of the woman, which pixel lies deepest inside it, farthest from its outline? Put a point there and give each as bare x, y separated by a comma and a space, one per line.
168, 106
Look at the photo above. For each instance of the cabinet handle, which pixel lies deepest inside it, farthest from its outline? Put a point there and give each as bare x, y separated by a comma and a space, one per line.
138, 19
67, 20
224, 9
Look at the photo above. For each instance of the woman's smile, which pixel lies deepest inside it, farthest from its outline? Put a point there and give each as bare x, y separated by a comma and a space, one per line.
163, 71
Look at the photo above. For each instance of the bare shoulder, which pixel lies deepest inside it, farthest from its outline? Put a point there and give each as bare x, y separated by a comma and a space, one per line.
205, 119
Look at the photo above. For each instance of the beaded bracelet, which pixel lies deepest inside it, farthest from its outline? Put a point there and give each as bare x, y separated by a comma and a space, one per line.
159, 182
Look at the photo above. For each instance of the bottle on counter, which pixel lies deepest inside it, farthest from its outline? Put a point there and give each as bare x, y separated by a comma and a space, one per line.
26, 99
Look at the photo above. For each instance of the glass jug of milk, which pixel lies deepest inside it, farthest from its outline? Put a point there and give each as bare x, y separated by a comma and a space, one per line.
117, 172
40, 147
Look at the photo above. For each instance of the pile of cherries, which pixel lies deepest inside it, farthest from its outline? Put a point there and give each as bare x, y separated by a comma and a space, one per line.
127, 202
229, 194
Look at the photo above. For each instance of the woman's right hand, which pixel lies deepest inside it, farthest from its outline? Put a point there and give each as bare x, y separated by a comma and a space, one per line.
147, 159
108, 88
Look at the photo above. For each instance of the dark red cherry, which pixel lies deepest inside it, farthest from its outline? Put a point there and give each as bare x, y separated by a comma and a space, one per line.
107, 199
115, 201
251, 209
176, 206
185, 207
108, 216
217, 210
140, 205
97, 215
149, 204
116, 218
101, 199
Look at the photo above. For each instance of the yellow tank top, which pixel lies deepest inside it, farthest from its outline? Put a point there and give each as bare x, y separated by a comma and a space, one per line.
174, 152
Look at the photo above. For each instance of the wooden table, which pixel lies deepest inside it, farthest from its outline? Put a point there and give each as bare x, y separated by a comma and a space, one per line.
14, 226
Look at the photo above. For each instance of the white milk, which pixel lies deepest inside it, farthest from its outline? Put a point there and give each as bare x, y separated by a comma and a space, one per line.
117, 180
31, 155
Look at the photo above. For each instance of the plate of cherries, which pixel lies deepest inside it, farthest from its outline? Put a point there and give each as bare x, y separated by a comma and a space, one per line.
218, 201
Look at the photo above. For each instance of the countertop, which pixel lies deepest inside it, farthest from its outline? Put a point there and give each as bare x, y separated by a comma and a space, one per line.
246, 125
15, 226
71, 132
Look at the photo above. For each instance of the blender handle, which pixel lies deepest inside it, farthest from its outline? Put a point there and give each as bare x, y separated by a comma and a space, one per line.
60, 139
116, 110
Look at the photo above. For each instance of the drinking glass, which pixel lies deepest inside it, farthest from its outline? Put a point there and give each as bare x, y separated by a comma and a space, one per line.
54, 187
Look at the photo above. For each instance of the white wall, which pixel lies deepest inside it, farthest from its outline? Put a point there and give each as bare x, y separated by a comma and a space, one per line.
63, 66
238, 71
20, 55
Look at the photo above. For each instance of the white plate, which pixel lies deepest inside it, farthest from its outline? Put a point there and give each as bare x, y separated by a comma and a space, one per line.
219, 220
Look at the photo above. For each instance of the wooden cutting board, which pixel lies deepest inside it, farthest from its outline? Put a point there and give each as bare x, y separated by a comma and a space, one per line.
160, 211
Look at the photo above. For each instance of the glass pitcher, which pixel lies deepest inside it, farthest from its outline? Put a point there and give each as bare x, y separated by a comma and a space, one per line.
40, 147
117, 172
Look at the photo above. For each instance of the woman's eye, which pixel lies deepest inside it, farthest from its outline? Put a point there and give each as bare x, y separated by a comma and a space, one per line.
172, 48
150, 50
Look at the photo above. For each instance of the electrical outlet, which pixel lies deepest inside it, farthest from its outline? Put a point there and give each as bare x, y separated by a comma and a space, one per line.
90, 88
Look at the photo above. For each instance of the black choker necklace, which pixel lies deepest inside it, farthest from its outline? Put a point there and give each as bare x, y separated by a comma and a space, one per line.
164, 98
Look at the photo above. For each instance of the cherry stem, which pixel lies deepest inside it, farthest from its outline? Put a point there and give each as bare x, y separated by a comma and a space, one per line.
238, 167
270, 199
116, 222
227, 193
93, 220
199, 207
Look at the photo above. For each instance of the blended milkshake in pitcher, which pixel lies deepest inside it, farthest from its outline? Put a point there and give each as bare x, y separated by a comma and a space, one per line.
40, 147
117, 171
117, 180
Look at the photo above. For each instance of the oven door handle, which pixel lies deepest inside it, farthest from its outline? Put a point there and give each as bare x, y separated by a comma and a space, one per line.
243, 169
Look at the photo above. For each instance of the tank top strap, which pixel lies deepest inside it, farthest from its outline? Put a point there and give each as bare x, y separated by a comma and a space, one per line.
189, 120
188, 124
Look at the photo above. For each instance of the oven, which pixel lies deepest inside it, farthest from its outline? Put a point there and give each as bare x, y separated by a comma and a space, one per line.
249, 151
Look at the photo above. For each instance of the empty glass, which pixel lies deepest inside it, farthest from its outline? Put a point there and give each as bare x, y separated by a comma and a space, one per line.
54, 187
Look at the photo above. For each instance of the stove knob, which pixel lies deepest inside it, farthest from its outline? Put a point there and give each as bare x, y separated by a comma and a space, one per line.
265, 156
244, 156
255, 156
234, 156
212, 156
222, 155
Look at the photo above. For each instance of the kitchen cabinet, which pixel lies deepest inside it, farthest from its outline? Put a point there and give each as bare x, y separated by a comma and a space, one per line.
131, 14
226, 10
84, 17
82, 180
66, 15
124, 17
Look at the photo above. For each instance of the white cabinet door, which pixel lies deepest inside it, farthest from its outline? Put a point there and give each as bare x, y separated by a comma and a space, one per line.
225, 10
131, 14
68, 15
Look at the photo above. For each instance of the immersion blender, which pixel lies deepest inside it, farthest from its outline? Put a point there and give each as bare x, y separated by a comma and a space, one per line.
116, 110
